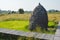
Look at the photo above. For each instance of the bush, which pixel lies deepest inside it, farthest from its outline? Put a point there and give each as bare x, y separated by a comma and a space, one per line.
51, 24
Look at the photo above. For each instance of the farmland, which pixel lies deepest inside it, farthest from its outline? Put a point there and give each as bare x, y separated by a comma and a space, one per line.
21, 21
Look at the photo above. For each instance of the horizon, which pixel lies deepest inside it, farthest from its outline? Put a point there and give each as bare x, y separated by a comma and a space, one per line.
28, 5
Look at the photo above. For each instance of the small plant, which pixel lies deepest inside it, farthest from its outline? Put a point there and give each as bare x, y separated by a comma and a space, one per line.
51, 24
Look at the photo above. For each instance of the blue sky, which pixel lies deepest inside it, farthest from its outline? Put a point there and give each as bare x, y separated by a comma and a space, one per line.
28, 4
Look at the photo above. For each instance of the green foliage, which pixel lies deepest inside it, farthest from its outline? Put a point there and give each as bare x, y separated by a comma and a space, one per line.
14, 25
13, 12
52, 10
21, 25
21, 11
51, 24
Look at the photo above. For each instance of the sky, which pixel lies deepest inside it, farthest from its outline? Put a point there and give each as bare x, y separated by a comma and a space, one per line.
28, 5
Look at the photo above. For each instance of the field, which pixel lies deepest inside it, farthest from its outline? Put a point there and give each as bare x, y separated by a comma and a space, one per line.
21, 21
51, 16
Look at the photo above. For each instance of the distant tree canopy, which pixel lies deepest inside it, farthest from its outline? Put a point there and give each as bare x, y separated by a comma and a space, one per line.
21, 11
13, 12
52, 10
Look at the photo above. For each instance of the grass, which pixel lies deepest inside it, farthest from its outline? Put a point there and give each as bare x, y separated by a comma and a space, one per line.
23, 25
20, 22
51, 16
14, 25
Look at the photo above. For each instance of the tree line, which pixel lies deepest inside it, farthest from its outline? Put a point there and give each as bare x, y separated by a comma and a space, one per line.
20, 11
53, 10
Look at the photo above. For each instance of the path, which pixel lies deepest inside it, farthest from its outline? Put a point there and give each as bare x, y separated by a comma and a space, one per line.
27, 34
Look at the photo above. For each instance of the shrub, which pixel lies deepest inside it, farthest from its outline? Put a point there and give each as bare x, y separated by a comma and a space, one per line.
51, 24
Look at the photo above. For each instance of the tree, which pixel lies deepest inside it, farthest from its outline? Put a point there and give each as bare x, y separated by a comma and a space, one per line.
21, 11
53, 10
13, 12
